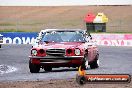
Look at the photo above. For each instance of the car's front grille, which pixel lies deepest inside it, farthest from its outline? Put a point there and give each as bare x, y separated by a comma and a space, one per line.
55, 52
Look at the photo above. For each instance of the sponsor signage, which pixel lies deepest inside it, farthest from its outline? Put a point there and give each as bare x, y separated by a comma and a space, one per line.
82, 77
113, 39
100, 39
19, 37
103, 78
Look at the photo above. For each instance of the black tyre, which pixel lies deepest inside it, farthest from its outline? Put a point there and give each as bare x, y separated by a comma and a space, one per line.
94, 65
34, 68
48, 68
85, 63
0, 46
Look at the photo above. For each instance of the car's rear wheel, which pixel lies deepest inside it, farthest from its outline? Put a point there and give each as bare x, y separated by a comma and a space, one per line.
48, 68
0, 46
34, 68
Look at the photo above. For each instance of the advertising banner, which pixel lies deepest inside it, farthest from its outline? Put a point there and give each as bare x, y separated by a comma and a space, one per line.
113, 39
19, 37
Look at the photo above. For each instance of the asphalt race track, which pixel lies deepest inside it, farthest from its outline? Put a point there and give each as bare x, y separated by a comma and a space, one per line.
14, 64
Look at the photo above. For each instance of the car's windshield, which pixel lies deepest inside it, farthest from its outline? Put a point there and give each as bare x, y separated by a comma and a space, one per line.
63, 36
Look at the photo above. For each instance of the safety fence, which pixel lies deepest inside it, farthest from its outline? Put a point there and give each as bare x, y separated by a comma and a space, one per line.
100, 39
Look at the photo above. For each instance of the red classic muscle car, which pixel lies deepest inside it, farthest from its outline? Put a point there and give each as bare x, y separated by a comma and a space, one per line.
63, 48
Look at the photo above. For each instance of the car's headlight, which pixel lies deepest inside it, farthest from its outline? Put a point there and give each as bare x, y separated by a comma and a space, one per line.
77, 52
34, 52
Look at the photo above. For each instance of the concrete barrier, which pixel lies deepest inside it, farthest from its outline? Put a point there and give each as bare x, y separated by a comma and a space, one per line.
101, 39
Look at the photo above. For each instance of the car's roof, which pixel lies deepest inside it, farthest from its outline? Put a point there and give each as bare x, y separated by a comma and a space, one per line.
46, 30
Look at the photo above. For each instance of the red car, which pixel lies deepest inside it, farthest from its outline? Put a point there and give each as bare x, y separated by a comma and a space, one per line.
63, 48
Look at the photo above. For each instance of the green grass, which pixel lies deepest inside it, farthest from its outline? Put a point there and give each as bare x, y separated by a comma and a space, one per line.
34, 23
12, 30
27, 30
7, 24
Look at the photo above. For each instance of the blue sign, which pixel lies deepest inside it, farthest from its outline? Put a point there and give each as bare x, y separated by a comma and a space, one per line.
19, 37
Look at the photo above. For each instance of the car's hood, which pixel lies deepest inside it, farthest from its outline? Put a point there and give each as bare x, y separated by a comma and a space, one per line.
61, 45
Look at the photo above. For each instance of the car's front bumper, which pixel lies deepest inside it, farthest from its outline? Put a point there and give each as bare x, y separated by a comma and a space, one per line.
50, 60
57, 57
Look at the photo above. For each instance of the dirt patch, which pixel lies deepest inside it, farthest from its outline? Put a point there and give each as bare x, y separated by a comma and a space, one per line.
67, 83
29, 18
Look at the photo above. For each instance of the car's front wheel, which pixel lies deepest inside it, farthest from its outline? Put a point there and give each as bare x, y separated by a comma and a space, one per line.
48, 68
85, 63
94, 64
34, 68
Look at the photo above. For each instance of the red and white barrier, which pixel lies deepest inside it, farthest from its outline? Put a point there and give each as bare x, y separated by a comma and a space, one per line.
113, 39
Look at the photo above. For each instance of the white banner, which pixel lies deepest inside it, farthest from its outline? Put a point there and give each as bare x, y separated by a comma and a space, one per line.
63, 2
113, 39
114, 42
